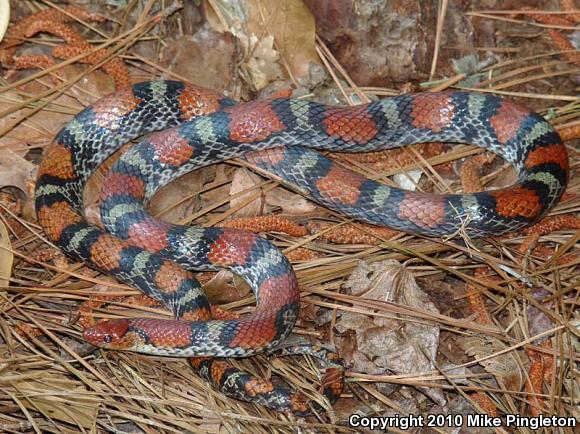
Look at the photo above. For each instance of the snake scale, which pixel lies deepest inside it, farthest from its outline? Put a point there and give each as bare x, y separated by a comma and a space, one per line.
194, 127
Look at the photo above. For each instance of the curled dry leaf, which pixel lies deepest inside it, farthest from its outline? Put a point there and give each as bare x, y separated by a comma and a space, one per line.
291, 203
174, 202
190, 57
504, 366
244, 180
268, 30
224, 287
391, 344
15, 171
293, 29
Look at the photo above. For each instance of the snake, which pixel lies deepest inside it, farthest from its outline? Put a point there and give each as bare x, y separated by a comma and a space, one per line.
188, 127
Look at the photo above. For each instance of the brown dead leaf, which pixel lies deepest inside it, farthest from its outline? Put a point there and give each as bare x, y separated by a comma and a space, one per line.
17, 178
267, 29
291, 203
190, 57
225, 287
391, 344
220, 188
15, 171
175, 202
244, 180
504, 366
292, 25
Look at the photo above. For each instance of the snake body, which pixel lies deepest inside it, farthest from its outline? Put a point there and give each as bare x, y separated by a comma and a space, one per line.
196, 127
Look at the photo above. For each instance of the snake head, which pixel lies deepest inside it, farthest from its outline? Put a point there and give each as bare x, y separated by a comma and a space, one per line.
112, 334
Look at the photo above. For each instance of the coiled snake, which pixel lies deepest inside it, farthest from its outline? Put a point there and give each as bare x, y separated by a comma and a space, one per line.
197, 127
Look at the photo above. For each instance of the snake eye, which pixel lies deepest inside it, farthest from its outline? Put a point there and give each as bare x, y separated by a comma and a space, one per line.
107, 339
